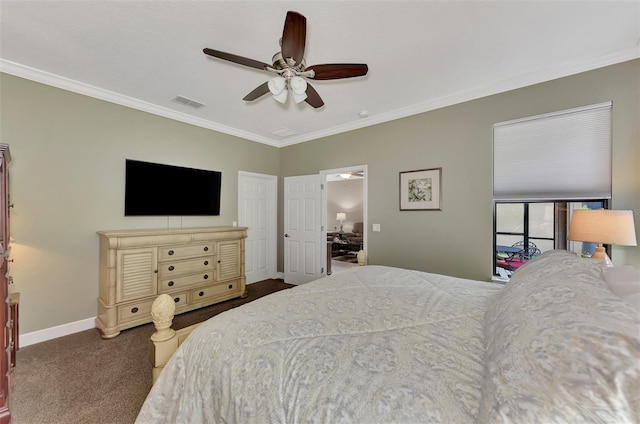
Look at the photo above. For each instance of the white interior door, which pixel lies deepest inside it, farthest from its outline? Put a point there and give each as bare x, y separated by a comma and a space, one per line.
302, 229
257, 210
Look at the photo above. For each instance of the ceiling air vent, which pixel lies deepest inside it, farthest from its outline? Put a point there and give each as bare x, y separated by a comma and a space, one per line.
283, 132
188, 102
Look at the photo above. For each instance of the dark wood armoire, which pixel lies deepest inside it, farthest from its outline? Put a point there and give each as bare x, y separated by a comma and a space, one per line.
5, 314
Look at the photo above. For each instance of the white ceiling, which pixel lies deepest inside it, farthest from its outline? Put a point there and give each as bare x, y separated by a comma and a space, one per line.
422, 55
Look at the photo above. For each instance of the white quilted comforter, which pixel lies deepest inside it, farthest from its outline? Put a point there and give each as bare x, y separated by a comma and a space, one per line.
374, 344
388, 345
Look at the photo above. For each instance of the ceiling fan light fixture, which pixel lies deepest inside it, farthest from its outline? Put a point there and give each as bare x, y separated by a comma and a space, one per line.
278, 87
299, 87
345, 176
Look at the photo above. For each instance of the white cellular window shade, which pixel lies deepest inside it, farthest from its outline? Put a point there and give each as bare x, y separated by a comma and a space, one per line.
563, 155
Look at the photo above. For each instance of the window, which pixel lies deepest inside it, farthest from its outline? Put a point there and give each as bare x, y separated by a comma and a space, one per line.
523, 230
544, 167
561, 155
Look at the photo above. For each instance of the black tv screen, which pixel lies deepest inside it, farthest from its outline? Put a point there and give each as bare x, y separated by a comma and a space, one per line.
153, 189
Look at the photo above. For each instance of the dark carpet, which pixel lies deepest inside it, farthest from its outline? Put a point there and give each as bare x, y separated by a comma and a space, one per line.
84, 379
346, 258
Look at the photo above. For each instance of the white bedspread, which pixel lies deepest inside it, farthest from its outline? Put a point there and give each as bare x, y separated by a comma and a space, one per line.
371, 345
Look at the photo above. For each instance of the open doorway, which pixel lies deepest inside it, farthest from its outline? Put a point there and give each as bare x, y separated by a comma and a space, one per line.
345, 216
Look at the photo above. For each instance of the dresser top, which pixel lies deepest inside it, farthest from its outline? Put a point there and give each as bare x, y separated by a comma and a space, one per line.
169, 231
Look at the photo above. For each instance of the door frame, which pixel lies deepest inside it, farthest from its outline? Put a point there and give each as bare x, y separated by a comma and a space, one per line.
365, 208
272, 183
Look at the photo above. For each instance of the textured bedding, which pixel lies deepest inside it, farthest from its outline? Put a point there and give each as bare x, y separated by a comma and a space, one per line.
388, 345
374, 344
561, 347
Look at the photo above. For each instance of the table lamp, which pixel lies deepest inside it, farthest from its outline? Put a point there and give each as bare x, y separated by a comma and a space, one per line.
341, 216
603, 226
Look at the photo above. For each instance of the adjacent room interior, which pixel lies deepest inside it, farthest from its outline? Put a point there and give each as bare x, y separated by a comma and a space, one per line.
345, 219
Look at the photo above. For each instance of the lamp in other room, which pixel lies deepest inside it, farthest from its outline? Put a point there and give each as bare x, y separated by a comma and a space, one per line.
341, 216
603, 226
345, 176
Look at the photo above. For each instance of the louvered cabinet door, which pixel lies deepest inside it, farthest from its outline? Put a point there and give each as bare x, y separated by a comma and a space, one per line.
136, 273
229, 263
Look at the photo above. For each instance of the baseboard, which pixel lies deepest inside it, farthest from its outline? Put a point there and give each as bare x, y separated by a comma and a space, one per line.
55, 332
70, 328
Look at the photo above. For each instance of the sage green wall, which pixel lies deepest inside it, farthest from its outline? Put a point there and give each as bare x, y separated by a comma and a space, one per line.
458, 240
67, 182
68, 171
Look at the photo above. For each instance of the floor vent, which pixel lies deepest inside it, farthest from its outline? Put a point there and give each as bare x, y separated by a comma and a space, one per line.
188, 102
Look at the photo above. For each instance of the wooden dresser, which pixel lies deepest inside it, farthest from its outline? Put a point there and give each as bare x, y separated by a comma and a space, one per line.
5, 316
196, 266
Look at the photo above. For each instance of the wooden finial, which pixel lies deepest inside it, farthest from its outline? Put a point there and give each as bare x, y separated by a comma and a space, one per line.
162, 311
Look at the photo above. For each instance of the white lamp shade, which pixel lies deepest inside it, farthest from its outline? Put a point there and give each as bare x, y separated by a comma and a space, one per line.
299, 87
603, 226
278, 87
341, 216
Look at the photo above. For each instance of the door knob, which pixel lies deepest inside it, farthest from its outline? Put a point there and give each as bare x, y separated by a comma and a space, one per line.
286, 235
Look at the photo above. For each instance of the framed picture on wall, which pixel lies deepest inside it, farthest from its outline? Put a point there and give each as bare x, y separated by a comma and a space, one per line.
421, 190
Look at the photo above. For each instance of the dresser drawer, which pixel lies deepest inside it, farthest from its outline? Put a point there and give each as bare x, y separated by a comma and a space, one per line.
206, 264
180, 299
168, 284
217, 291
189, 251
134, 311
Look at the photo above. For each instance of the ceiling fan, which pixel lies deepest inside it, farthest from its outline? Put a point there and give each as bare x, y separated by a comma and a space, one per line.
349, 174
290, 66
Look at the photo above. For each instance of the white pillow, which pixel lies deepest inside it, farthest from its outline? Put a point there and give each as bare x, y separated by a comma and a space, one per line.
624, 282
633, 300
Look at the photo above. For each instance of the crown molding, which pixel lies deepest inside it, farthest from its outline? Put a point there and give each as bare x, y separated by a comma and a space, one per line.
58, 81
535, 77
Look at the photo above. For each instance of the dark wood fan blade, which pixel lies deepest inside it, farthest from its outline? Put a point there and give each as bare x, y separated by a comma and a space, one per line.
338, 70
236, 59
294, 36
260, 91
313, 98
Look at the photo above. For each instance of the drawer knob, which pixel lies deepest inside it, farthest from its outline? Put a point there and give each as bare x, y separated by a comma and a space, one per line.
170, 284
230, 286
206, 276
206, 249
170, 252
171, 268
206, 262
177, 299
201, 293
134, 310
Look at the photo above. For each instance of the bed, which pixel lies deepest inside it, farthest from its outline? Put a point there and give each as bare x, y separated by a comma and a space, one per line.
386, 345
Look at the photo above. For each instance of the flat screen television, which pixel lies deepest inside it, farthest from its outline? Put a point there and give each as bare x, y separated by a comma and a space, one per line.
153, 189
